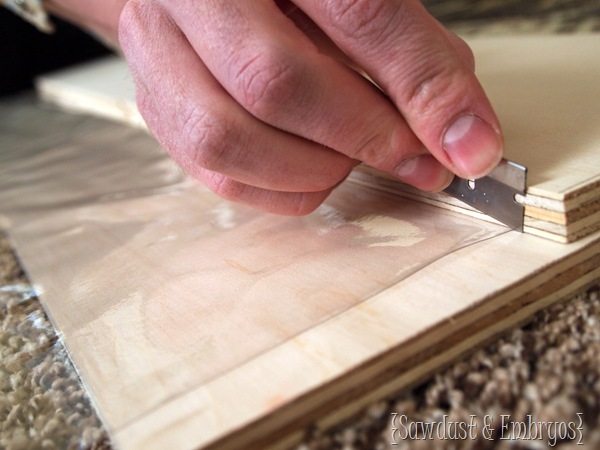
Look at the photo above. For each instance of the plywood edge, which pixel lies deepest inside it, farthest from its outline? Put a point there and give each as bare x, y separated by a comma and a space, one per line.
83, 101
560, 238
576, 194
560, 205
304, 401
453, 352
101, 87
563, 233
565, 217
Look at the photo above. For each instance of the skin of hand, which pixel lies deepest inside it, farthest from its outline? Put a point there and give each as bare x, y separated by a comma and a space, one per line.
264, 103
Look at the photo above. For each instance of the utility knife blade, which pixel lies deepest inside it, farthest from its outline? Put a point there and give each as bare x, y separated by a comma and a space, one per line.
495, 194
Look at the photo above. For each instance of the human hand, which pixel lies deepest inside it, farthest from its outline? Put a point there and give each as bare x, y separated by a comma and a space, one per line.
267, 111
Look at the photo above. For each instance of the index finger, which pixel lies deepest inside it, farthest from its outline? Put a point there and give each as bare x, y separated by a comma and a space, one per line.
415, 62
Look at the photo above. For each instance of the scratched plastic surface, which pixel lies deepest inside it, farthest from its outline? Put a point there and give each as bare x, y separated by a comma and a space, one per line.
153, 280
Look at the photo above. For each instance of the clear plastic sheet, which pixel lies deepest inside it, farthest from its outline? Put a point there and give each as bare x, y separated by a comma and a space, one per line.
159, 286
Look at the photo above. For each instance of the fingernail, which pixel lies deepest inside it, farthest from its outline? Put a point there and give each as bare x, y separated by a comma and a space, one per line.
424, 172
473, 146
406, 167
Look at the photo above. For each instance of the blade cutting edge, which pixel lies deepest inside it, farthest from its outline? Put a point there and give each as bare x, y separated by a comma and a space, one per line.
495, 193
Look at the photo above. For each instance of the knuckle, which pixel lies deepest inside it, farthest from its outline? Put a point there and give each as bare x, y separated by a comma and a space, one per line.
371, 150
378, 148
462, 49
434, 88
206, 139
264, 81
361, 18
465, 48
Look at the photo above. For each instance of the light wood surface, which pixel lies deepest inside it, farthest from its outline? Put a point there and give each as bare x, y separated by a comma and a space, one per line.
544, 88
197, 323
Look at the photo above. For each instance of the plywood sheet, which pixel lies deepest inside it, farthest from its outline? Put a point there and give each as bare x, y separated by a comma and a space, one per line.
178, 307
544, 89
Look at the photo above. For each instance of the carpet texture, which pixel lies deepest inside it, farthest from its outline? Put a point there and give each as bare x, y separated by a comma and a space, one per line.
42, 402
